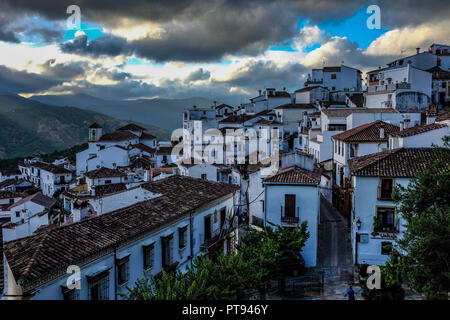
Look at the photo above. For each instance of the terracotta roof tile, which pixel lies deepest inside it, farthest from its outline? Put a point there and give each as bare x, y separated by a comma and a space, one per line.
147, 136
443, 117
369, 132
50, 168
132, 127
9, 195
104, 189
104, 172
403, 162
294, 175
418, 129
297, 106
344, 112
37, 198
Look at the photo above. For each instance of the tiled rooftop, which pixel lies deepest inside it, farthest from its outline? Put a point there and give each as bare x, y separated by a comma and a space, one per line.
294, 175
369, 132
104, 172
37, 198
47, 254
418, 129
402, 162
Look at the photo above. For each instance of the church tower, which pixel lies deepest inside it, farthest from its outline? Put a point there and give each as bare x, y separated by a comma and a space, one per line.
95, 132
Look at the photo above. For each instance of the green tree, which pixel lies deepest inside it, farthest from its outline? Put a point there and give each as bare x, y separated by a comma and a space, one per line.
391, 281
424, 249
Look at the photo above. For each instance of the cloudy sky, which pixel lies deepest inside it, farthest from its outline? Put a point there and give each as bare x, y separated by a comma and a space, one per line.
219, 49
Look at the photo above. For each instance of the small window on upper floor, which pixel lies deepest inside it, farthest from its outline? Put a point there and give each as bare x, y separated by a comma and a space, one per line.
333, 76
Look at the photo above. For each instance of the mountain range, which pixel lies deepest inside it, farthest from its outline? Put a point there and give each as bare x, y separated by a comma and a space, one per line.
164, 113
29, 126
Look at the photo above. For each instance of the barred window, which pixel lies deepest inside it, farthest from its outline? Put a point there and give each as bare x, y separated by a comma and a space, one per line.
123, 266
70, 294
149, 254
182, 232
99, 286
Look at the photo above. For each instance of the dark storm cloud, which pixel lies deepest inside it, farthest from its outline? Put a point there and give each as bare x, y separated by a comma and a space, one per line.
199, 74
108, 45
12, 81
64, 71
198, 31
258, 74
8, 36
127, 89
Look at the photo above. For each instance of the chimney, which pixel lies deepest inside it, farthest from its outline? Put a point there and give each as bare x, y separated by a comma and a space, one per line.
381, 130
406, 125
417, 50
259, 91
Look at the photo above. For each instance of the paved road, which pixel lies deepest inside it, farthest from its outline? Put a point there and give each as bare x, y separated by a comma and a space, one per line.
334, 247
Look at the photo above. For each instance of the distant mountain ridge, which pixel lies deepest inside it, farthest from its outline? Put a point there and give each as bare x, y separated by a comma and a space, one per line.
164, 113
27, 126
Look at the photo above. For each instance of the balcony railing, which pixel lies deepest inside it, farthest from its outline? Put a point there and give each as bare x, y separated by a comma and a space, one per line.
208, 240
289, 218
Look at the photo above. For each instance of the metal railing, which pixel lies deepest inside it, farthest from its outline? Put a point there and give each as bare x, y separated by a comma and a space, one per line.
290, 219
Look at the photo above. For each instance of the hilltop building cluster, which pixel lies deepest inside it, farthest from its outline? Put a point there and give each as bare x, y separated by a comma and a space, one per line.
127, 205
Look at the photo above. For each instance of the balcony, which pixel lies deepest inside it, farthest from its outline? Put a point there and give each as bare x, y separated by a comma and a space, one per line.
209, 240
289, 219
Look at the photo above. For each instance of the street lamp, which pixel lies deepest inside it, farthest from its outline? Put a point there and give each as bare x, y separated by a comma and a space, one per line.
358, 224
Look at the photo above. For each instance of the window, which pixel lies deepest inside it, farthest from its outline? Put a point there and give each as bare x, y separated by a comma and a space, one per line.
166, 250
70, 294
11, 201
386, 186
203, 176
289, 203
17, 214
262, 205
149, 253
385, 220
386, 247
333, 76
223, 215
107, 181
182, 232
99, 286
123, 268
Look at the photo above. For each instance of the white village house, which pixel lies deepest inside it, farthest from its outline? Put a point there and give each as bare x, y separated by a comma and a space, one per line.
375, 222
188, 218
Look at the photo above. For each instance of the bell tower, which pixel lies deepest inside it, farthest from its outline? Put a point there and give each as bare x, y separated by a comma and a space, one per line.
95, 132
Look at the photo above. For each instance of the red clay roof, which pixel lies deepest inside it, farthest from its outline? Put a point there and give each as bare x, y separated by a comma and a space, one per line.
147, 136
402, 162
37, 198
294, 175
418, 129
443, 117
297, 106
132, 127
104, 172
369, 132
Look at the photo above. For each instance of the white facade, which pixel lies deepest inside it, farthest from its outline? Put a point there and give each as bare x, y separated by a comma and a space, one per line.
307, 206
364, 207
132, 252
